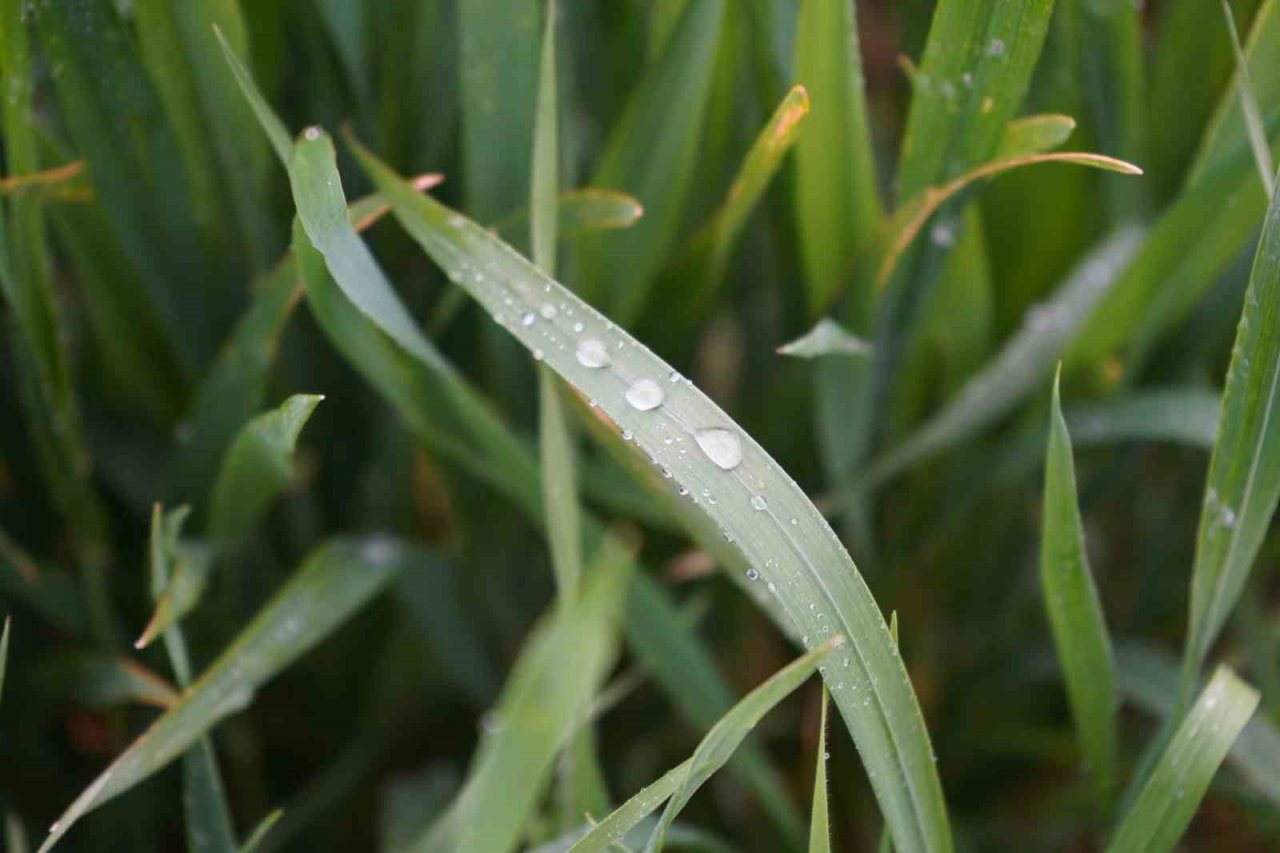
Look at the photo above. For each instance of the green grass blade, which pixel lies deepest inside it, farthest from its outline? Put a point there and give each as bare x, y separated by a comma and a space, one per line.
827, 337
257, 468
1020, 366
345, 23
652, 154
1244, 473
545, 185
1249, 107
332, 584
1031, 135
578, 211
99, 680
261, 831
1177, 785
819, 823
755, 503
1148, 677
542, 705
837, 203
271, 125
4, 652
681, 782
1075, 614
1185, 416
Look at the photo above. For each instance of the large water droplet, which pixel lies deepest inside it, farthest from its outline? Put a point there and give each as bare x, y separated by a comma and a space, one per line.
593, 353
758, 502
528, 319
722, 446
645, 394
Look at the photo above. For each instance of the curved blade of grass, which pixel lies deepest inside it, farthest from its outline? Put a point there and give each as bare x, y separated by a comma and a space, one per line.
257, 468
910, 218
651, 153
837, 202
827, 337
261, 831
332, 584
1075, 614
1177, 785
542, 705
1030, 135
686, 289
819, 823
681, 782
1020, 366
1148, 677
732, 479
1244, 473
101, 680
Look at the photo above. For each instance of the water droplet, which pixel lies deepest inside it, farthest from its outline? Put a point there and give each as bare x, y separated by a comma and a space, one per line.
491, 721
528, 319
758, 502
752, 574
722, 446
537, 355
312, 133
942, 234
577, 327
645, 394
626, 435
548, 311
592, 353
996, 47
1228, 517
673, 376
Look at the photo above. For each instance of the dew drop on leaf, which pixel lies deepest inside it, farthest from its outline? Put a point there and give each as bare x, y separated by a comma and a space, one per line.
592, 352
645, 394
722, 446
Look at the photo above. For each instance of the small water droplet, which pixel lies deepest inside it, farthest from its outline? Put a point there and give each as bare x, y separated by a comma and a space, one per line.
577, 327
752, 574
548, 311
626, 435
592, 353
942, 234
528, 319
644, 395
758, 502
673, 376
996, 47
312, 133
722, 446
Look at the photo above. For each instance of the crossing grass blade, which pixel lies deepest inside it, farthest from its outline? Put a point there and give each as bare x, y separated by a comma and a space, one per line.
541, 708
1244, 473
680, 783
1173, 793
1031, 135
837, 202
772, 522
333, 583
819, 823
1075, 614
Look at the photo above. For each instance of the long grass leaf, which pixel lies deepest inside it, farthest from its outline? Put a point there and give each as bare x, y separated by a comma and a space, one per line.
733, 481
4, 652
837, 201
1249, 106
542, 705
1244, 474
1177, 785
1075, 614
331, 585
819, 823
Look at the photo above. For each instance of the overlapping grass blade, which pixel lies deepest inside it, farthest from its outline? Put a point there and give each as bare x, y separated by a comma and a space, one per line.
837, 201
1249, 107
333, 583
651, 154
1186, 416
1031, 135
819, 822
1022, 364
1075, 614
1148, 678
1172, 794
1244, 474
256, 469
730, 477
680, 783
261, 831
542, 705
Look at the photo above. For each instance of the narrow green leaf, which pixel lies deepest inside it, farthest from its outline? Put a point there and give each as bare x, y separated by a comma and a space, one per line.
271, 125
261, 831
542, 705
1020, 366
756, 502
331, 585
257, 468
4, 652
52, 595
545, 169
1186, 416
578, 211
1249, 107
1244, 472
819, 823
15, 834
101, 680
1031, 135
1173, 793
1075, 614
345, 23
837, 201
827, 337
680, 783
652, 154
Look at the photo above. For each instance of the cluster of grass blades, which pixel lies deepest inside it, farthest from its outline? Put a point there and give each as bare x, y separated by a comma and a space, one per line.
656, 284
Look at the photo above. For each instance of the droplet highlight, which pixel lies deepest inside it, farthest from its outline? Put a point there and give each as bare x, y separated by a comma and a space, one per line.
721, 446
645, 395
